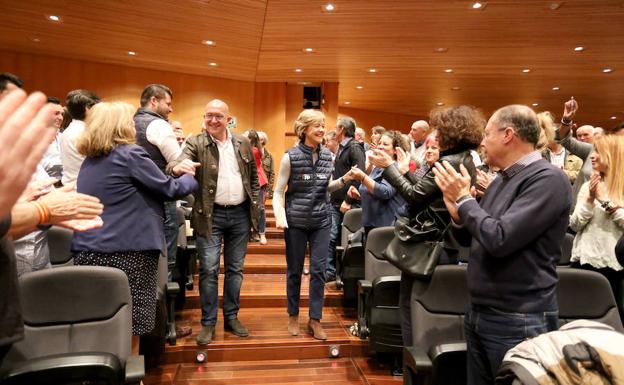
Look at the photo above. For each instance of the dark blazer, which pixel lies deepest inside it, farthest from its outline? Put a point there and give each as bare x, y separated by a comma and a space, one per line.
349, 155
132, 189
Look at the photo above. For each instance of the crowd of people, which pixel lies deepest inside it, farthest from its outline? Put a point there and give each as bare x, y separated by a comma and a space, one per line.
509, 188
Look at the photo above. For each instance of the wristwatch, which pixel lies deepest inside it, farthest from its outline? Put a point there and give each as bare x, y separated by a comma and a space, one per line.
462, 198
607, 205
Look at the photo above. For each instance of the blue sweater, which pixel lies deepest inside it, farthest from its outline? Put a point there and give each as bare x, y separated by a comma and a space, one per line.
381, 207
516, 239
132, 189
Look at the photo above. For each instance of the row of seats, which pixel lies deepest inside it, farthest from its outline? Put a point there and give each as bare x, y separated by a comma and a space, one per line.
78, 321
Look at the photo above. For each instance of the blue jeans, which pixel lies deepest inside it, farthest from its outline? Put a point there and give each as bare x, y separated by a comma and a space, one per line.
232, 226
490, 333
262, 211
296, 244
335, 232
171, 235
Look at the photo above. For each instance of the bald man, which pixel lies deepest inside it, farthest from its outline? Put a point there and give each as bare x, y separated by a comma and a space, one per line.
225, 208
516, 231
418, 133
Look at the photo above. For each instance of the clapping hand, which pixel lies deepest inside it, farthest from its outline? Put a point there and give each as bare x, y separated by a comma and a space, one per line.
403, 160
380, 159
353, 193
354, 174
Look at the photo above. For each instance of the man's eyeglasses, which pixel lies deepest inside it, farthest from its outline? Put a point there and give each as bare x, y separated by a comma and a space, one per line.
209, 117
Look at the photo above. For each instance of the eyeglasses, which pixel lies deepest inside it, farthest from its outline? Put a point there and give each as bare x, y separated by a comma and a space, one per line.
209, 117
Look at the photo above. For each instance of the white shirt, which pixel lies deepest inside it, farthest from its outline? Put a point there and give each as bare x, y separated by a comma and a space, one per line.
557, 159
160, 134
230, 190
51, 161
70, 157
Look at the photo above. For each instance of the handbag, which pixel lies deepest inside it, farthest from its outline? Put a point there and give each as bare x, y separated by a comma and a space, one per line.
417, 244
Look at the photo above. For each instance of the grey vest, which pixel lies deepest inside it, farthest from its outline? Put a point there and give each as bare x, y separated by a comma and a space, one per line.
142, 119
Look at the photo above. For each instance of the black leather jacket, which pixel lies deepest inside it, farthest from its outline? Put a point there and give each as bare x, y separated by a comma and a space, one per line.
424, 192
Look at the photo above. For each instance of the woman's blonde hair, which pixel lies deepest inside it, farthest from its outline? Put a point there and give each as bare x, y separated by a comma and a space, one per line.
547, 124
106, 126
305, 119
610, 148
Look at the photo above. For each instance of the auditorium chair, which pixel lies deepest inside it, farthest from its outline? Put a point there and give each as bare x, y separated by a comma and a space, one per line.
438, 354
566, 250
77, 329
378, 296
584, 294
350, 260
59, 243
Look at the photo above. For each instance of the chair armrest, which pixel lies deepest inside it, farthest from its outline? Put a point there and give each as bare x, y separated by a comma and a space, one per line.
417, 359
364, 286
447, 348
339, 251
135, 369
64, 368
173, 288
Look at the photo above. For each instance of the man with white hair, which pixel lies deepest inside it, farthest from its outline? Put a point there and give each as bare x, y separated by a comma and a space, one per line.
418, 134
360, 136
585, 134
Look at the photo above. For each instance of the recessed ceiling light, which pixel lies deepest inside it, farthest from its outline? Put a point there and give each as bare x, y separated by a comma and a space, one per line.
440, 49
579, 48
359, 87
439, 104
607, 70
212, 64
448, 70
329, 7
347, 103
298, 70
478, 5
555, 5
535, 104
372, 70
455, 88
54, 18
555, 88
211, 43
308, 50
613, 117
132, 53
526, 70
36, 39
304, 83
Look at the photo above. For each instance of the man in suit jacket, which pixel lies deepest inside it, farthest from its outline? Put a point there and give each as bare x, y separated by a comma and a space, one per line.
225, 208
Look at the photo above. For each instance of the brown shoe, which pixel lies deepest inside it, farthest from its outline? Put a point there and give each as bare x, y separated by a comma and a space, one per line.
205, 335
236, 327
316, 330
293, 325
183, 331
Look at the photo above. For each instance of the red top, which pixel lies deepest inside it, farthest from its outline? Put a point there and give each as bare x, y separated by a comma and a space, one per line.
262, 179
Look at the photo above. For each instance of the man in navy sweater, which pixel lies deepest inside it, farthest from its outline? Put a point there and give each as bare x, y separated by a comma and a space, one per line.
516, 232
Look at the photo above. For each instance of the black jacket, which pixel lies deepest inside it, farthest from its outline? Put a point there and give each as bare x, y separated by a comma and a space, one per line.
352, 154
425, 192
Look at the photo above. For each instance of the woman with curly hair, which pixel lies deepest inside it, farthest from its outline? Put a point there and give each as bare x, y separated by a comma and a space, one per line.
459, 130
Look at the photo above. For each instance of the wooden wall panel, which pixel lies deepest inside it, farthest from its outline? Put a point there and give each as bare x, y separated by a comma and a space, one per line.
270, 117
330, 104
367, 119
56, 76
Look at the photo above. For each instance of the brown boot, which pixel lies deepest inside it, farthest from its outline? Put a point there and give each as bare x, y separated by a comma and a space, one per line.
316, 330
293, 325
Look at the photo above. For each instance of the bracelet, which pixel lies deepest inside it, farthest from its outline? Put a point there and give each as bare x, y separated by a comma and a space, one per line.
563, 122
43, 211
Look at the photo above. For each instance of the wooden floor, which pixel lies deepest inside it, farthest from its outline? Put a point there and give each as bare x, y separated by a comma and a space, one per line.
269, 355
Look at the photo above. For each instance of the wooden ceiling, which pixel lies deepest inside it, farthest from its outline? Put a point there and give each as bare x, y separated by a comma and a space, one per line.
264, 41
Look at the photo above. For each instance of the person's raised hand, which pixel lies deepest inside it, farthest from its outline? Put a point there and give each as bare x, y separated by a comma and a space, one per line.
66, 204
569, 109
452, 184
25, 134
380, 159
